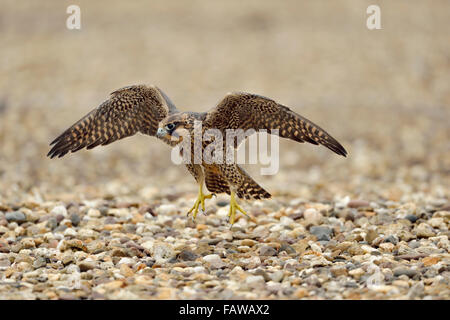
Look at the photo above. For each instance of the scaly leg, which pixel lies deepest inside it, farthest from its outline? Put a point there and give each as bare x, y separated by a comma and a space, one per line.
233, 207
200, 200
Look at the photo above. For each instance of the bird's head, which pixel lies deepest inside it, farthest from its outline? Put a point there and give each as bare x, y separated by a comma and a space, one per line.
172, 128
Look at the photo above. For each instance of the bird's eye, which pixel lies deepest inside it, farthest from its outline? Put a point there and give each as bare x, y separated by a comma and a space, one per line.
170, 126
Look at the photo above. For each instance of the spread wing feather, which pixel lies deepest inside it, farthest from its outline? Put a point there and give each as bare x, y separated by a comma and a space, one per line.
250, 111
129, 110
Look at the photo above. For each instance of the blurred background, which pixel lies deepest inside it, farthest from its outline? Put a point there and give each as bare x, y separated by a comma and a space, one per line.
384, 94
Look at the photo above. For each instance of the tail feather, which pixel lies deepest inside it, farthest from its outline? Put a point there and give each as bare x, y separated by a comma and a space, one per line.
249, 189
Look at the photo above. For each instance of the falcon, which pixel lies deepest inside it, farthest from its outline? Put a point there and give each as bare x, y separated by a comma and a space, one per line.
148, 110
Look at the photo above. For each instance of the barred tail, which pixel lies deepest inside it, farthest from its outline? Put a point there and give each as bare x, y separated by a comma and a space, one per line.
249, 189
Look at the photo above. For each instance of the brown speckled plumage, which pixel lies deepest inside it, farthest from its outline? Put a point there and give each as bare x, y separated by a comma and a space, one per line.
129, 110
145, 109
250, 111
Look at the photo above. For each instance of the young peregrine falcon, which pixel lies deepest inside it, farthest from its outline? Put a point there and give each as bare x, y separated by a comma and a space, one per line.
146, 109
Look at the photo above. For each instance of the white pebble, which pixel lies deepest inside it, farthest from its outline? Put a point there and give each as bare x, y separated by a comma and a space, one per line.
223, 212
87, 233
59, 210
128, 261
276, 228
214, 260
277, 276
273, 286
70, 232
312, 216
165, 209
315, 247
72, 268
343, 202
255, 281
148, 245
368, 249
94, 213
286, 221
199, 269
162, 250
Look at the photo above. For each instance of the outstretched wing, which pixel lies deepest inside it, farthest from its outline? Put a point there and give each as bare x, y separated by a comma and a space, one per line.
250, 111
129, 110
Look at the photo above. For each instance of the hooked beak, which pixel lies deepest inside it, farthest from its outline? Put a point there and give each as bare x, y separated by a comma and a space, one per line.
161, 133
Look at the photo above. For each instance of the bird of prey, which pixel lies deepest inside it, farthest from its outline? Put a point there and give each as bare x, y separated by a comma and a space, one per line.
148, 110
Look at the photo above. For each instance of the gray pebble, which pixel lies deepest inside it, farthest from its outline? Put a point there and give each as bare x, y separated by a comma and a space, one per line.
267, 251
403, 271
187, 255
52, 223
321, 232
214, 241
350, 266
130, 228
388, 278
392, 239
110, 220
430, 273
16, 247
416, 290
351, 284
103, 210
411, 218
16, 216
39, 262
5, 263
414, 244
59, 218
222, 203
287, 248
61, 228
173, 260
150, 262
75, 219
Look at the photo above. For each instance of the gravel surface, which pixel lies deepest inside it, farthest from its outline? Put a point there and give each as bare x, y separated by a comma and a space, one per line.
128, 250
110, 223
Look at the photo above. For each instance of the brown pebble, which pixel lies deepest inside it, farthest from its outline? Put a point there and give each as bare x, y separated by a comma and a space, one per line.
126, 271
358, 204
429, 261
371, 235
119, 253
73, 244
301, 293
145, 209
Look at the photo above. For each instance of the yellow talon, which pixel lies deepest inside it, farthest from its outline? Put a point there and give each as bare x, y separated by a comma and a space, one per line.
233, 207
200, 200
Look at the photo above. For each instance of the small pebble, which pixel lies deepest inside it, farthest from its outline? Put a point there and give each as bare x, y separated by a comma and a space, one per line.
358, 203
312, 216
403, 271
322, 233
214, 261
267, 251
75, 219
16, 216
187, 255
59, 210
